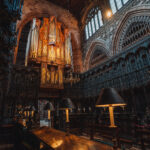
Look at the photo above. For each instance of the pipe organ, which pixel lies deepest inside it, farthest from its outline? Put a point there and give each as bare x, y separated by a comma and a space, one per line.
50, 46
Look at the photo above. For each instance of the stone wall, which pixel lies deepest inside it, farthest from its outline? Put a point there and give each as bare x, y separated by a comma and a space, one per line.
109, 31
10, 12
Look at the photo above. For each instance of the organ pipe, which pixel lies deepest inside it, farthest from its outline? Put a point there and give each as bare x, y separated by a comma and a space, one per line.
50, 46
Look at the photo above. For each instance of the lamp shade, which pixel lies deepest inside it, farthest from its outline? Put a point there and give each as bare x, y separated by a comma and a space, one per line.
109, 97
66, 103
49, 106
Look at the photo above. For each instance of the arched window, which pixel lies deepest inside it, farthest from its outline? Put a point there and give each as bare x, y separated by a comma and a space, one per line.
93, 22
136, 31
117, 4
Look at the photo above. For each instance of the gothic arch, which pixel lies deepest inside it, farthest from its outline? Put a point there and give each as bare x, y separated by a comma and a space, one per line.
135, 15
86, 11
97, 44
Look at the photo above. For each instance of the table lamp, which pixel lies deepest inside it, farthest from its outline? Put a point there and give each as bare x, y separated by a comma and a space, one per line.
110, 98
26, 111
32, 109
66, 104
49, 107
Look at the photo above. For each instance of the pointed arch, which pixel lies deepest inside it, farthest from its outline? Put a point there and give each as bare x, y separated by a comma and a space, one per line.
135, 15
97, 45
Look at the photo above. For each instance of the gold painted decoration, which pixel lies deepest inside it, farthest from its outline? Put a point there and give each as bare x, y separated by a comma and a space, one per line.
60, 77
56, 77
52, 31
48, 76
46, 22
50, 46
44, 53
58, 52
62, 52
52, 77
40, 48
51, 53
58, 33
43, 75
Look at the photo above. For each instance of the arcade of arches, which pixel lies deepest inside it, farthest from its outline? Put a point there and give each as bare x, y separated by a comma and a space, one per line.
57, 60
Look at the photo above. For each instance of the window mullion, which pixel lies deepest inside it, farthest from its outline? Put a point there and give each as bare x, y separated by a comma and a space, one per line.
98, 20
116, 5
122, 3
125, 1
91, 27
88, 29
94, 23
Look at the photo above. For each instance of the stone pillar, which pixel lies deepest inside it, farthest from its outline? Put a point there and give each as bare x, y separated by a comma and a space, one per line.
77, 60
10, 12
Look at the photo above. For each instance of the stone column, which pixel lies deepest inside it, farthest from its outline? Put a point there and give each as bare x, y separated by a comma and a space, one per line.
10, 12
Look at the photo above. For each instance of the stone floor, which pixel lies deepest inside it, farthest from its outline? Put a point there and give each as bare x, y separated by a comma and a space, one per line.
7, 137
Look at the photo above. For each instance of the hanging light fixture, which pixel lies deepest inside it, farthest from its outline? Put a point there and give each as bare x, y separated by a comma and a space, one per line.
71, 78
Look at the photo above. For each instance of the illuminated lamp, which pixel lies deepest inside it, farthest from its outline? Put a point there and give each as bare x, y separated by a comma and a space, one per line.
66, 104
109, 14
49, 107
110, 98
32, 110
26, 111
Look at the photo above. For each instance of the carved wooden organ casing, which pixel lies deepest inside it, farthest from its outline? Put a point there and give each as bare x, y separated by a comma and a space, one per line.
49, 46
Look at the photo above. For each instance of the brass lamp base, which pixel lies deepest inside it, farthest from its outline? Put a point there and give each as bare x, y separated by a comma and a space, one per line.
112, 126
111, 113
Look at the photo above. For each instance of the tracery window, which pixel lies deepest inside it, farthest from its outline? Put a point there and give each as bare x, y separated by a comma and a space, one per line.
136, 31
117, 4
93, 22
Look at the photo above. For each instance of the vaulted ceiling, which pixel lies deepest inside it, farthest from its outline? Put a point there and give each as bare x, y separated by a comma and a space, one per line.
74, 6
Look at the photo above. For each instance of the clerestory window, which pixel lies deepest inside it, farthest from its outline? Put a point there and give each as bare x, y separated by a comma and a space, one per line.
93, 22
117, 4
